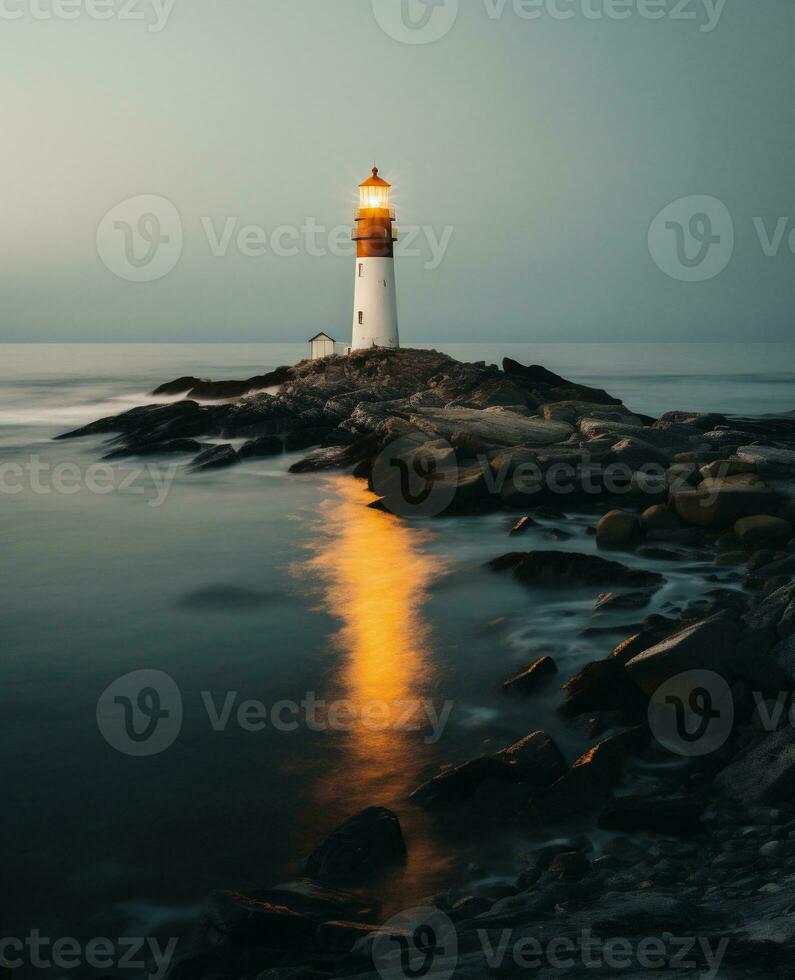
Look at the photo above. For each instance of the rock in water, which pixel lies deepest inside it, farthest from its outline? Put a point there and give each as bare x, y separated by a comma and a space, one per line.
564, 568
362, 846
590, 779
754, 532
238, 920
215, 458
617, 529
529, 679
708, 645
535, 760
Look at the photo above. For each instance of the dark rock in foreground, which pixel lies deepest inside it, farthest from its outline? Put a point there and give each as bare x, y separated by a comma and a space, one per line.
362, 846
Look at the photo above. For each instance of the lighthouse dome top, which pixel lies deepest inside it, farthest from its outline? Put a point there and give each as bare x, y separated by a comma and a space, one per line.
374, 180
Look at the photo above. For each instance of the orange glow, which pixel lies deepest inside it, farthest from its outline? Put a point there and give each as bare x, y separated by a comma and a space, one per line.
374, 572
374, 197
375, 576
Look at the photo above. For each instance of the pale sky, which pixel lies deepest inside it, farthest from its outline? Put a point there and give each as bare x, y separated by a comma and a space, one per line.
541, 148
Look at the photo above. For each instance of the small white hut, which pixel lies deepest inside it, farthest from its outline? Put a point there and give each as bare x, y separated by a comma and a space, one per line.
321, 345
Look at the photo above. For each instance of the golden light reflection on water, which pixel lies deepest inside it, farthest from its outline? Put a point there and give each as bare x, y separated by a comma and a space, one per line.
374, 572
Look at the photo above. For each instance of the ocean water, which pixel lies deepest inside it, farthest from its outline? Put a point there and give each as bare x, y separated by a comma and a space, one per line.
252, 585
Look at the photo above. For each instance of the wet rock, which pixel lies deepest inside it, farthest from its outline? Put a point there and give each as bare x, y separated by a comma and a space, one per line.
522, 525
672, 816
659, 518
765, 774
772, 616
708, 645
730, 558
239, 920
617, 529
721, 468
759, 559
224, 389
590, 779
170, 447
363, 845
320, 903
569, 866
496, 426
531, 678
215, 458
718, 509
262, 448
609, 601
563, 568
638, 453
535, 760
755, 532
768, 460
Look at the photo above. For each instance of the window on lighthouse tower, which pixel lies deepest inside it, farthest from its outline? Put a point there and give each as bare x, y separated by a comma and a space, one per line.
361, 317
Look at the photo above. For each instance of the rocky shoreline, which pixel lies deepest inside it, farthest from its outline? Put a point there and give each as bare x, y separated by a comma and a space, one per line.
704, 849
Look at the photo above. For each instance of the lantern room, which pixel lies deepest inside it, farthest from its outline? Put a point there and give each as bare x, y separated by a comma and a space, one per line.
374, 192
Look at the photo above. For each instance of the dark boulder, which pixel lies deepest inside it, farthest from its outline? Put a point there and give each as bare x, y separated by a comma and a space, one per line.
763, 775
563, 568
534, 760
215, 458
362, 846
529, 679
262, 448
179, 387
239, 920
592, 777
708, 645
221, 390
171, 447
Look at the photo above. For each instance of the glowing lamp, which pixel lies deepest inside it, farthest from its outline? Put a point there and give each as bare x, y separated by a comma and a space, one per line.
374, 192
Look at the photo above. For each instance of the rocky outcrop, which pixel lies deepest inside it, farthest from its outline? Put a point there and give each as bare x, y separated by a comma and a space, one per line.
359, 848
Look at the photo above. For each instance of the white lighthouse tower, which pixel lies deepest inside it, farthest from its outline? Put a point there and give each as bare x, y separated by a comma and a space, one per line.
375, 322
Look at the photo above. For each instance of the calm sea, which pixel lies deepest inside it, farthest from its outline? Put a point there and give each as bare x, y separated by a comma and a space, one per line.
254, 585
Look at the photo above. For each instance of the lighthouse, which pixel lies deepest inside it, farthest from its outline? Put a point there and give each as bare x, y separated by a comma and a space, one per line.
375, 321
